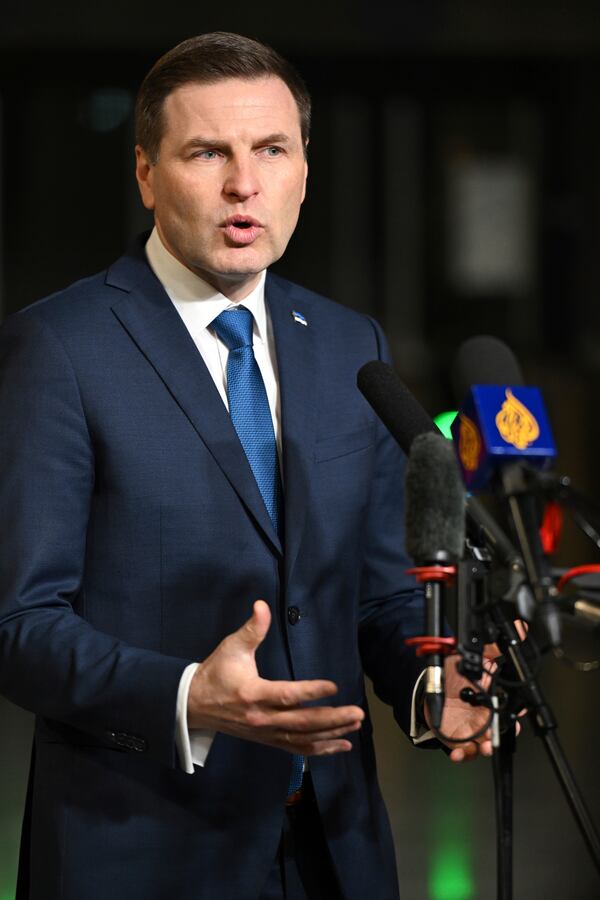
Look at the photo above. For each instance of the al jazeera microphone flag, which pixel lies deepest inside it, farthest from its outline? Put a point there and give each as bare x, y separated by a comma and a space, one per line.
499, 424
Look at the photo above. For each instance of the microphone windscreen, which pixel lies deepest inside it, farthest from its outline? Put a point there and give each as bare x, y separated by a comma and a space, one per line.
400, 412
435, 500
483, 360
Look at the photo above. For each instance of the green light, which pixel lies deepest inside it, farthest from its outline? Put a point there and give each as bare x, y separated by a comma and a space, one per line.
450, 875
444, 420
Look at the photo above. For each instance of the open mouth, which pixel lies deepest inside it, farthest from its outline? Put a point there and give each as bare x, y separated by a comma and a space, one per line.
242, 229
242, 221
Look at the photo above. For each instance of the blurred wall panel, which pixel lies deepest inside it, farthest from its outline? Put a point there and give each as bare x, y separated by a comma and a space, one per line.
403, 203
351, 189
67, 165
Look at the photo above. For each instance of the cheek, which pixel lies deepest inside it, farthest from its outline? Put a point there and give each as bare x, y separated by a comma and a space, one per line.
181, 199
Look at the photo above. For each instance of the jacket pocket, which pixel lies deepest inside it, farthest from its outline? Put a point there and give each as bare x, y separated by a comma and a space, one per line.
343, 444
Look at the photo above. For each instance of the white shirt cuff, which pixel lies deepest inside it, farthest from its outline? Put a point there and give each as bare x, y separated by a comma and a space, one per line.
192, 744
418, 732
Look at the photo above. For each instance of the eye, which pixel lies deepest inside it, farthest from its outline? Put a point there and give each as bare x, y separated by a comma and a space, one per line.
208, 155
272, 152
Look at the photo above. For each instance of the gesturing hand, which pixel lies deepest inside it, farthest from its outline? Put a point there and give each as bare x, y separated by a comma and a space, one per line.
227, 694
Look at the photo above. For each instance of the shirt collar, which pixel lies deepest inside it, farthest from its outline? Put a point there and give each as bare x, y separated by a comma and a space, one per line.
195, 297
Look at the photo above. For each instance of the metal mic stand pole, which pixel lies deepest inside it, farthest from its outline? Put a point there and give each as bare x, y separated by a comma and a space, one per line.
475, 623
502, 765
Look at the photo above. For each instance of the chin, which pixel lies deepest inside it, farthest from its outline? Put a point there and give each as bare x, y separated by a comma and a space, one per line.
251, 265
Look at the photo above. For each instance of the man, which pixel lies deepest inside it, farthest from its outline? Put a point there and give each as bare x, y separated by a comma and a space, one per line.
202, 533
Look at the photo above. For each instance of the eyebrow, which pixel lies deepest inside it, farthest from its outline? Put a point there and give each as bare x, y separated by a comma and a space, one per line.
214, 143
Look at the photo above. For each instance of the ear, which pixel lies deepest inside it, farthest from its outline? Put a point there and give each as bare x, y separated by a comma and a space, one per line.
144, 173
305, 177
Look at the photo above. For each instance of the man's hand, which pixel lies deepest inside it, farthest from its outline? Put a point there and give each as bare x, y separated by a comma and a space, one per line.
227, 694
460, 719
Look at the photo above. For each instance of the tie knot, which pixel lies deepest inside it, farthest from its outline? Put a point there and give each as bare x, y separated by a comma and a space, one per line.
234, 327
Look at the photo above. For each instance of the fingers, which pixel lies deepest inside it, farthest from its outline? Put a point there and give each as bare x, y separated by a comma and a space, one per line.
254, 630
323, 720
320, 744
491, 651
522, 628
324, 748
317, 736
471, 750
287, 694
312, 731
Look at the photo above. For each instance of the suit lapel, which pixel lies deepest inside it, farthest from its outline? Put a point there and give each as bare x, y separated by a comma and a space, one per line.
298, 379
145, 311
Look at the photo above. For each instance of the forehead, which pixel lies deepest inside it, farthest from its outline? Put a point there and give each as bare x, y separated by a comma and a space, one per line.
231, 106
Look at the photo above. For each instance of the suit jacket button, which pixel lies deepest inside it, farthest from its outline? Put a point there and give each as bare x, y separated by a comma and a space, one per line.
293, 615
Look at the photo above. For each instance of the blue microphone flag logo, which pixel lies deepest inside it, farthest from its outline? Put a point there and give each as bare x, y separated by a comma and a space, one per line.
498, 424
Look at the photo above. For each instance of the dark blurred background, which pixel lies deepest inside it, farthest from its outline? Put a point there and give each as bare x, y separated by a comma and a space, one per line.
454, 189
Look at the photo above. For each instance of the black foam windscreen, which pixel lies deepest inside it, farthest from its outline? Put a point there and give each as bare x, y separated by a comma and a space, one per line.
483, 360
392, 401
435, 500
400, 412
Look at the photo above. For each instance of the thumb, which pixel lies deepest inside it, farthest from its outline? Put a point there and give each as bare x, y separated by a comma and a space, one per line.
254, 630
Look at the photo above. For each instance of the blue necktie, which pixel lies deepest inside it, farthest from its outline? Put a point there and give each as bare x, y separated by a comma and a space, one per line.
251, 418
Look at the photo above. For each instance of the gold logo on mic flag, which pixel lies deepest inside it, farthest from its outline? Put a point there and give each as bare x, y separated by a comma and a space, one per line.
516, 424
469, 443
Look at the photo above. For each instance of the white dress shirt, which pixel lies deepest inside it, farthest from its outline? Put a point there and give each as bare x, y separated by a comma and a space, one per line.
198, 304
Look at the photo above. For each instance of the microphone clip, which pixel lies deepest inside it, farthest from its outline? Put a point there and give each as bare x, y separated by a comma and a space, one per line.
435, 572
427, 644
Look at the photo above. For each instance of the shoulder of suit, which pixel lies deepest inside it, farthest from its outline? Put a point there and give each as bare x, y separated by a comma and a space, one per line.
91, 295
69, 304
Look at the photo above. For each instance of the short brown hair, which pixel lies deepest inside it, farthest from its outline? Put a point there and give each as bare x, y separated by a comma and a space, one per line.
208, 58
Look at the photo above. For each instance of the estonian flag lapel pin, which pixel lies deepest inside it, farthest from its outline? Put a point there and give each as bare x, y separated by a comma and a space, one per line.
299, 318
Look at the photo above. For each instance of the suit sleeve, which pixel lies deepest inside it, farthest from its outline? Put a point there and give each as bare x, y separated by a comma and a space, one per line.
52, 661
391, 602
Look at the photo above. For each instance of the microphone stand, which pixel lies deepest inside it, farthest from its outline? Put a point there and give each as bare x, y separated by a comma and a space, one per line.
474, 621
490, 596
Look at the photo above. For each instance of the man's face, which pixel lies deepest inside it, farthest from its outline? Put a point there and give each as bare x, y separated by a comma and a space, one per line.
230, 178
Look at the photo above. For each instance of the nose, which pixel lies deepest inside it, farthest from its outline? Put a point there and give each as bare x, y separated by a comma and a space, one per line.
241, 180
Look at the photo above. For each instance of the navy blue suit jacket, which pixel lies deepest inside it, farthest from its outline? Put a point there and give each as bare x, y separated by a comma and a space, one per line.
134, 538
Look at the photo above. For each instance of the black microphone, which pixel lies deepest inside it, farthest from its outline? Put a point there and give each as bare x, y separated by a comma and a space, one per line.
405, 419
398, 409
483, 360
435, 535
484, 365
